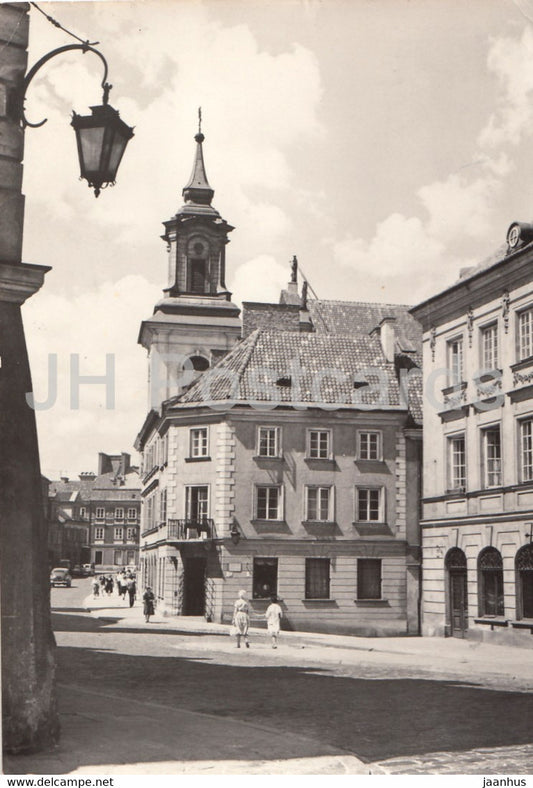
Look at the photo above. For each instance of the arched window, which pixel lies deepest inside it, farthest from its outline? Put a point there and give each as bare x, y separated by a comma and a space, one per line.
198, 266
490, 580
455, 559
524, 581
199, 363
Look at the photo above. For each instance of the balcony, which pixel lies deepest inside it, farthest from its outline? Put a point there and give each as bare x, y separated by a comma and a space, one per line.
191, 530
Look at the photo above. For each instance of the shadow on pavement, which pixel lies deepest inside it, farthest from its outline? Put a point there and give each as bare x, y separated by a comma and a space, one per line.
375, 719
62, 622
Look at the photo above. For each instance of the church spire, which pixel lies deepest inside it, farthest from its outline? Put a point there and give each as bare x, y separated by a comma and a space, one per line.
198, 189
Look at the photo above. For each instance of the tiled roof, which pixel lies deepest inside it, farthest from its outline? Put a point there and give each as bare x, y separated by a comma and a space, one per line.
96, 489
318, 368
108, 481
358, 317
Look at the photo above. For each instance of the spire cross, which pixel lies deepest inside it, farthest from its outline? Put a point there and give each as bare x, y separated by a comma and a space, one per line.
199, 120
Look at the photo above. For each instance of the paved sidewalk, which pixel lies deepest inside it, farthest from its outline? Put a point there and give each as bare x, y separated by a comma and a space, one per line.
432, 654
173, 741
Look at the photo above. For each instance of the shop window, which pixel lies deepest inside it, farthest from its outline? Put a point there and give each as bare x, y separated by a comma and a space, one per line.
265, 577
369, 578
490, 579
524, 581
317, 578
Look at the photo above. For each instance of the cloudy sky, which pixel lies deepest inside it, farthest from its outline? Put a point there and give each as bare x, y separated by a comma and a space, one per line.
386, 143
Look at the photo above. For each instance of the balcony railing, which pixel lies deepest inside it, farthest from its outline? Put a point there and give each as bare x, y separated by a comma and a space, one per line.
191, 529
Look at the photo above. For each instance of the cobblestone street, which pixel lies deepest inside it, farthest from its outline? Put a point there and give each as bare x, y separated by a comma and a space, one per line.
307, 707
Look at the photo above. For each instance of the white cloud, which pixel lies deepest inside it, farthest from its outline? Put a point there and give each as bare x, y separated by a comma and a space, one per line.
511, 61
90, 325
260, 279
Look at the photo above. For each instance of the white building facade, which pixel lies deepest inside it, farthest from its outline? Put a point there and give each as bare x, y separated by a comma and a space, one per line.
478, 450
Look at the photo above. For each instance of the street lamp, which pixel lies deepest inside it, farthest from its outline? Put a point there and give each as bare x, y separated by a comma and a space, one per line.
101, 137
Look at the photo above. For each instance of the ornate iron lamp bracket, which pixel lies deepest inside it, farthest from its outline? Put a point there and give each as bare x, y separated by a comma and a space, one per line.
86, 47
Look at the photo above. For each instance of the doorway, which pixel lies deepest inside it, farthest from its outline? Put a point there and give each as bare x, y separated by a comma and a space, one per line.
457, 592
194, 570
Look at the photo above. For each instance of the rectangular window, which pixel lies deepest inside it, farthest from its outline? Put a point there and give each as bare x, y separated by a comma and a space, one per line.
118, 557
369, 578
197, 276
98, 533
119, 514
457, 462
163, 506
489, 347
265, 578
525, 334
268, 503
97, 557
369, 504
131, 535
369, 446
317, 572
164, 450
319, 447
100, 513
526, 450
119, 534
492, 457
455, 360
197, 503
318, 502
269, 442
199, 442
83, 512
132, 514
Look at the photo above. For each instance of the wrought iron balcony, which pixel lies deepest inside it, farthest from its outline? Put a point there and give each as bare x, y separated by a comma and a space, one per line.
191, 529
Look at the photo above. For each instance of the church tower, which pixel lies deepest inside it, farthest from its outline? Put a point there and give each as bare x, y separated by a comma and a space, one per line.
195, 323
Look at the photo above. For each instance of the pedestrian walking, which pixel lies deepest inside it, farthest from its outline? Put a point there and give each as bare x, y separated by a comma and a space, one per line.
102, 583
241, 618
273, 615
96, 588
109, 583
132, 590
148, 603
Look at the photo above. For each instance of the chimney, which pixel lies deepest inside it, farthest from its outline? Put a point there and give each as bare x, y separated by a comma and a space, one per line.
104, 463
87, 476
64, 479
125, 463
387, 336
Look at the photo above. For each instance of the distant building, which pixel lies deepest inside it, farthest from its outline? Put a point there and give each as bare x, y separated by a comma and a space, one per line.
98, 515
114, 512
478, 449
288, 461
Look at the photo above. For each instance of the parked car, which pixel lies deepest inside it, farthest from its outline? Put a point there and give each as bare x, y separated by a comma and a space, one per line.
77, 571
60, 577
87, 570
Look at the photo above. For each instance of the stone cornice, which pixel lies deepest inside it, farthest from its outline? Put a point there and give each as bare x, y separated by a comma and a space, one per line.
512, 271
19, 282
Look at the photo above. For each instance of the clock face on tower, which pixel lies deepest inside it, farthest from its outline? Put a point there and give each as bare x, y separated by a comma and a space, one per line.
513, 236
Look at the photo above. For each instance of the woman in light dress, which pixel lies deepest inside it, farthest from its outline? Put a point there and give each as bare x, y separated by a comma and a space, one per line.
241, 618
273, 616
